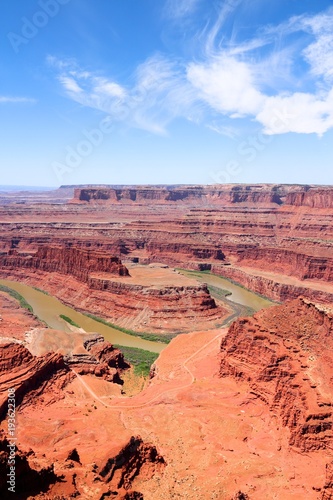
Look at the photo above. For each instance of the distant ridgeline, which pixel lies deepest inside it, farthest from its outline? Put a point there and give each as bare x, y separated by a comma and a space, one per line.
228, 194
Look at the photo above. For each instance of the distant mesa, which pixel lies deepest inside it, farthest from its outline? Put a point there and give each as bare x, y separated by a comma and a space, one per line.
295, 195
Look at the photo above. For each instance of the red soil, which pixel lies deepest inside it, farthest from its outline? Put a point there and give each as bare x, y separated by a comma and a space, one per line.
252, 417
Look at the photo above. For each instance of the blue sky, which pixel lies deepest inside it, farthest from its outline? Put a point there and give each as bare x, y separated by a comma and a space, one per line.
166, 91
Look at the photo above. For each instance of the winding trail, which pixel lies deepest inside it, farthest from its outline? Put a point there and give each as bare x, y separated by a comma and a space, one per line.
163, 393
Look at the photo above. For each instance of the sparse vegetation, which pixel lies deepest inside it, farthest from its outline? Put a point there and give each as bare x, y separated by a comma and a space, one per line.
139, 358
40, 290
218, 292
23, 303
146, 336
17, 296
200, 273
69, 320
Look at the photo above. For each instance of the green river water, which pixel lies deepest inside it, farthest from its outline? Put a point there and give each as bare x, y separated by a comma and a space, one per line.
48, 309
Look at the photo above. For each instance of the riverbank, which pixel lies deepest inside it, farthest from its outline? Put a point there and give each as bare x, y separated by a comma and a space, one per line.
50, 309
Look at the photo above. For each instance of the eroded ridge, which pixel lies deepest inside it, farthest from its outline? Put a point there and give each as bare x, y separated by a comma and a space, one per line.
285, 355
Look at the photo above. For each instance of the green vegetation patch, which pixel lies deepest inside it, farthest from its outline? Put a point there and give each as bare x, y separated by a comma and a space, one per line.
40, 290
200, 273
218, 292
69, 320
165, 339
17, 296
140, 359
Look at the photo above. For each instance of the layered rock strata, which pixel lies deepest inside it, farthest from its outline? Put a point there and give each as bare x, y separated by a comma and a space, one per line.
100, 359
29, 480
260, 430
29, 375
296, 195
285, 231
283, 354
77, 262
137, 307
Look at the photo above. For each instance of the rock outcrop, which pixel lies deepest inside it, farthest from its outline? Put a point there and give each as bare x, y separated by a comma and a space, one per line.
135, 458
283, 353
327, 493
29, 375
101, 359
28, 481
264, 427
276, 287
77, 262
172, 305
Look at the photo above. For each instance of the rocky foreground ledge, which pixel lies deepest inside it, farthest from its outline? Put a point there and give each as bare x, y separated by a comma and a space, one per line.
228, 414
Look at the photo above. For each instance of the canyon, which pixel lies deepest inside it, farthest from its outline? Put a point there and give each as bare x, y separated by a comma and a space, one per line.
273, 239
237, 406
156, 297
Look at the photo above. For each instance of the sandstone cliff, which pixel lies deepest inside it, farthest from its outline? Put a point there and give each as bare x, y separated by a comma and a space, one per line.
296, 195
275, 287
30, 375
142, 308
283, 354
29, 481
263, 429
66, 260
101, 359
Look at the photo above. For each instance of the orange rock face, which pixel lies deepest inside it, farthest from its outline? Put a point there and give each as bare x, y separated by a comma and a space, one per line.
100, 359
283, 354
312, 196
243, 413
65, 260
28, 375
36, 383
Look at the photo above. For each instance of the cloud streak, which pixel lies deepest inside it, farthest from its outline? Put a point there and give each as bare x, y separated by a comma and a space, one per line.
160, 94
256, 79
17, 100
179, 9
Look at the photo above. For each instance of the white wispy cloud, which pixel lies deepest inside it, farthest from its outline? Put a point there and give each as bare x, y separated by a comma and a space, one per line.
226, 85
159, 94
319, 54
11, 99
214, 35
107, 88
70, 84
237, 80
302, 113
227, 131
178, 9
281, 82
